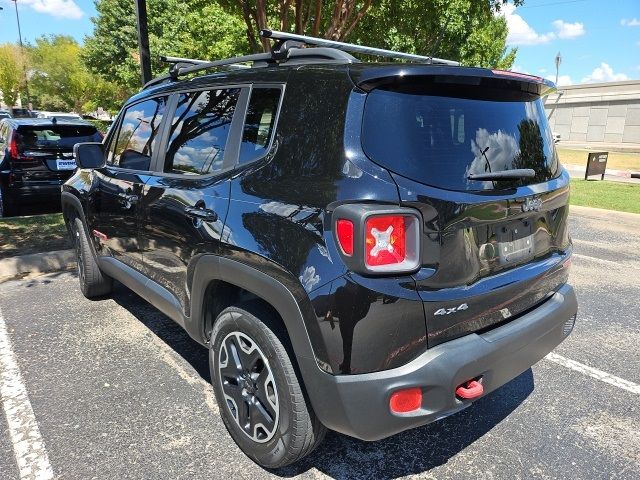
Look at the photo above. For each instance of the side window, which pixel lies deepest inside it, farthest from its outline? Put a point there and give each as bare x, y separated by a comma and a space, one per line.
138, 135
259, 124
199, 131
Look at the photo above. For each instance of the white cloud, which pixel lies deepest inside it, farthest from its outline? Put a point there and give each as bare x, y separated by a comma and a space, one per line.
568, 30
542, 70
563, 80
634, 22
520, 32
56, 8
519, 69
604, 73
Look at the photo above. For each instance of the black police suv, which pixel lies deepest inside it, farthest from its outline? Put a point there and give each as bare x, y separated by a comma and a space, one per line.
363, 247
36, 158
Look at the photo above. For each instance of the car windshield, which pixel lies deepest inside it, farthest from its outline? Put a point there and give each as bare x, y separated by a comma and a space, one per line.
440, 140
56, 136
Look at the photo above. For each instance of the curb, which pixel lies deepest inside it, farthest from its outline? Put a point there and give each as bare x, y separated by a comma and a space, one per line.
37, 263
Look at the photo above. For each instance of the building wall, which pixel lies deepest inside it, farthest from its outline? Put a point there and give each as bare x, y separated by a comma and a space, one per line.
597, 113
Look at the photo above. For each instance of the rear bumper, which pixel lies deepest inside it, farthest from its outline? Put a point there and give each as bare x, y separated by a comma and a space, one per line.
358, 405
32, 191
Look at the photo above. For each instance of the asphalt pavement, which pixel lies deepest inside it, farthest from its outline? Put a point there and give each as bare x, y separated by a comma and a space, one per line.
117, 390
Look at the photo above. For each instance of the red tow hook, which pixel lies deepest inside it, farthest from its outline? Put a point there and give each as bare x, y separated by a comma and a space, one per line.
469, 390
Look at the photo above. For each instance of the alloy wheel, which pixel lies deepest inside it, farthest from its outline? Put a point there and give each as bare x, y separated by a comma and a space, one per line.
249, 387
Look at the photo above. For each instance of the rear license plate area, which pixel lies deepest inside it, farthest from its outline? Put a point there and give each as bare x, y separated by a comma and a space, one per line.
515, 242
66, 164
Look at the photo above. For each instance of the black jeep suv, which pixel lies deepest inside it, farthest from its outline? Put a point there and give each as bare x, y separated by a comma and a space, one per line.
36, 158
363, 247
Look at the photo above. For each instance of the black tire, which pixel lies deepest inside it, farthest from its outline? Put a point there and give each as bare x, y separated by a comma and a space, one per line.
93, 282
7, 209
296, 431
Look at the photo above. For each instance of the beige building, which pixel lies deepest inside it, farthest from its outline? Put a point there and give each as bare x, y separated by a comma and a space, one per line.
597, 115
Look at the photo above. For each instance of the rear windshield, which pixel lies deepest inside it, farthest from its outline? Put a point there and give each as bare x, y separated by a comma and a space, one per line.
440, 140
59, 137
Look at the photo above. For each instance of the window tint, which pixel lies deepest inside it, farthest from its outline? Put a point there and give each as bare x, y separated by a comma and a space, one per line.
439, 140
59, 137
199, 131
259, 124
138, 135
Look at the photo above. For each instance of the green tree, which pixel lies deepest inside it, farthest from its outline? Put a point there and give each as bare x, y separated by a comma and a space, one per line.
11, 73
61, 81
195, 29
464, 30
410, 23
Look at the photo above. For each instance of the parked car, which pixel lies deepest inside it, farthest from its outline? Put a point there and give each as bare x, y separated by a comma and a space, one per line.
363, 247
5, 114
36, 157
22, 113
58, 115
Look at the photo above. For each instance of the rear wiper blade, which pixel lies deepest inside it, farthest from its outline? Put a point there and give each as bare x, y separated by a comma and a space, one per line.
504, 174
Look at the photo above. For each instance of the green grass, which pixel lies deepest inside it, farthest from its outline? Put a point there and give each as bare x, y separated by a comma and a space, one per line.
616, 160
37, 233
623, 197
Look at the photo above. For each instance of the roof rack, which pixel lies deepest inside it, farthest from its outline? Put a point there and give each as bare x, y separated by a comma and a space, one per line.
350, 47
289, 47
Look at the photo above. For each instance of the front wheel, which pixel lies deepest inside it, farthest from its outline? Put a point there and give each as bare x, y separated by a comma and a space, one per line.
261, 401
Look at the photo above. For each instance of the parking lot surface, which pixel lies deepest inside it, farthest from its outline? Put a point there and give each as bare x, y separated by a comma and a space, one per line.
117, 390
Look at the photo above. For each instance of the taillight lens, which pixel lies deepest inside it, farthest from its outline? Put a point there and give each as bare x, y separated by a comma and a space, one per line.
344, 230
13, 147
385, 242
378, 239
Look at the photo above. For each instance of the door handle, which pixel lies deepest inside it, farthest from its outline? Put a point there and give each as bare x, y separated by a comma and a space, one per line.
202, 214
129, 198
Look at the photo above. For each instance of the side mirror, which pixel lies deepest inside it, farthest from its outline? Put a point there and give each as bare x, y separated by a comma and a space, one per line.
89, 155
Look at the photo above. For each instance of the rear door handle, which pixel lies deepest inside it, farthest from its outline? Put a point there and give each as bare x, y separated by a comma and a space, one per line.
128, 199
202, 214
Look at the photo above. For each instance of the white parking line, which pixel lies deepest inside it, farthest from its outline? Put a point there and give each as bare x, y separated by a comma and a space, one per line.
598, 260
595, 373
28, 446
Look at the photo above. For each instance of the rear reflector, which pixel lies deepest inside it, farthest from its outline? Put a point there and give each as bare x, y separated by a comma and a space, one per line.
344, 231
405, 401
470, 390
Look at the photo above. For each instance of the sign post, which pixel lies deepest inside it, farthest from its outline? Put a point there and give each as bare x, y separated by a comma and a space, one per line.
596, 164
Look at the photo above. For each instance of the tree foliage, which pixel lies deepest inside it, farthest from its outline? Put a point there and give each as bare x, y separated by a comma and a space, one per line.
195, 29
464, 30
59, 80
11, 73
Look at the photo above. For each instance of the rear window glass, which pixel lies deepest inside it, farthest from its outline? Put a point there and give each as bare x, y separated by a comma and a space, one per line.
59, 137
440, 140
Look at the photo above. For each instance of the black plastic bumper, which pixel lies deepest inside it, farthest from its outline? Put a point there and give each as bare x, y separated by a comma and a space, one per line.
358, 405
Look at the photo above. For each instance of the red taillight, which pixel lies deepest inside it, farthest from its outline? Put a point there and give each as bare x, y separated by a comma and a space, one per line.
405, 401
13, 148
344, 231
385, 242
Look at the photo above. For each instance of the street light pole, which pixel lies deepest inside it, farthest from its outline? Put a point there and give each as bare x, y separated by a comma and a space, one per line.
558, 62
26, 80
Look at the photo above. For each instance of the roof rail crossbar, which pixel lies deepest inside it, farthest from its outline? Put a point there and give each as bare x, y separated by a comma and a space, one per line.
167, 59
350, 47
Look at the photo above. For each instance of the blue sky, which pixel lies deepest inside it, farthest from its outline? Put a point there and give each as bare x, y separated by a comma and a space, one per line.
599, 40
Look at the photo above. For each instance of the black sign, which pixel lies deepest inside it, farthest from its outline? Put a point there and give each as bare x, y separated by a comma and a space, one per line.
596, 164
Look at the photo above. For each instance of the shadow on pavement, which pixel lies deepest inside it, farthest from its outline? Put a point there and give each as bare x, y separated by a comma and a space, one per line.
341, 457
